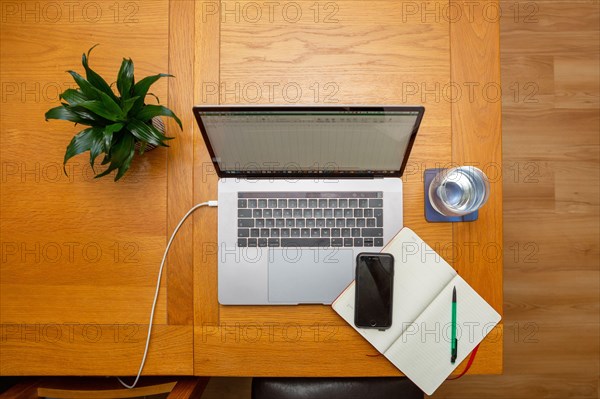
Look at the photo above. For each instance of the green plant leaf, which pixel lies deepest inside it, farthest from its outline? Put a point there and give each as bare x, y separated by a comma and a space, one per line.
66, 113
73, 96
117, 123
120, 156
129, 150
95, 120
90, 91
112, 105
125, 79
97, 145
108, 133
160, 134
98, 108
94, 79
145, 133
141, 88
128, 104
151, 111
81, 142
105, 107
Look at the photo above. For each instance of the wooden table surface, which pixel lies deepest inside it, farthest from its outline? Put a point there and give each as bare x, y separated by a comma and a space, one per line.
80, 256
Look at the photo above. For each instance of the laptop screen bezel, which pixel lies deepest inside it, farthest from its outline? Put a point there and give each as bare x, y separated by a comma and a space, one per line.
198, 109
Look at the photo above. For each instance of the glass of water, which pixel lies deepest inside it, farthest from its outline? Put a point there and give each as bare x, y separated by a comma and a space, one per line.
459, 191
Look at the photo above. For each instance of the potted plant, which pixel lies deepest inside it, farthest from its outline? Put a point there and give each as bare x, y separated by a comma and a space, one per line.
117, 124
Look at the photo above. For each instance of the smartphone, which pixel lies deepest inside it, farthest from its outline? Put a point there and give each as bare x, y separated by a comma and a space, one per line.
374, 290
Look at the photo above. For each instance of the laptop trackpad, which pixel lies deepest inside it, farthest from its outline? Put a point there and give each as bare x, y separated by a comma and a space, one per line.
309, 275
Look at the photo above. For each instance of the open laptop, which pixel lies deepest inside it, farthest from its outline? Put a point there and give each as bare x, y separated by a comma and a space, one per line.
302, 190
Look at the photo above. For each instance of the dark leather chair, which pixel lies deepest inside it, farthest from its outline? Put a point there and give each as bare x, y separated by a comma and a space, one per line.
333, 388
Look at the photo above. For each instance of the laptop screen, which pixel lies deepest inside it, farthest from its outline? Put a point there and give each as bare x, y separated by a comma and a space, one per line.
308, 141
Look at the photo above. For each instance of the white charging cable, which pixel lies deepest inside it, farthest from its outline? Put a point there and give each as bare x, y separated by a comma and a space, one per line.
162, 264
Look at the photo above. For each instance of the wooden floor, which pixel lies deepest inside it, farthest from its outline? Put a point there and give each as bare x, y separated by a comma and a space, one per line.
551, 129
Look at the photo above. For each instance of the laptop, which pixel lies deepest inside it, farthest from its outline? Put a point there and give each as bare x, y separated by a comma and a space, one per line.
302, 191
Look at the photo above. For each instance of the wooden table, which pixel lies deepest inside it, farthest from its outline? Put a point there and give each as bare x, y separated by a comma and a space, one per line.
80, 256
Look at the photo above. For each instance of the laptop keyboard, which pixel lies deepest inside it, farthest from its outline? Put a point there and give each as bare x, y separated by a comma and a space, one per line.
310, 219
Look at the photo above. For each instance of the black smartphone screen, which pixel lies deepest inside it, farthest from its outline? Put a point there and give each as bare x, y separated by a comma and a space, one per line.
374, 290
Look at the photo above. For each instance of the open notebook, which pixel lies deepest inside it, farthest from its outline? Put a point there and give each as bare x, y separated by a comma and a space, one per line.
418, 343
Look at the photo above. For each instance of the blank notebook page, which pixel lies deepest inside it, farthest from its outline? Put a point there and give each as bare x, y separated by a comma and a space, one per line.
423, 350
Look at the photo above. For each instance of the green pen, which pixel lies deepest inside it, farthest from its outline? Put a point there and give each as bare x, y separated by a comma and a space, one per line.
453, 340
